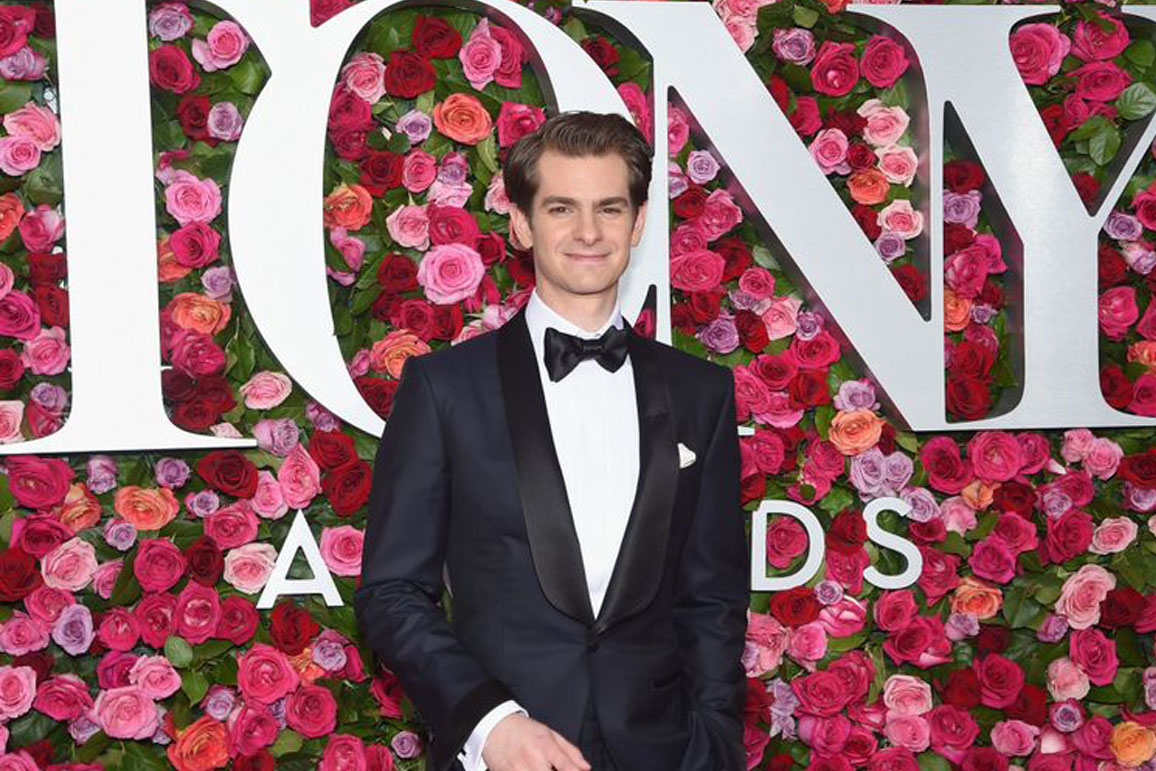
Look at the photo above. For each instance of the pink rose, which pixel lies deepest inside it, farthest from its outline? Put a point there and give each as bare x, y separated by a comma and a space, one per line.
248, 567
825, 735
63, 697
845, 618
264, 674
1038, 49
1112, 535
895, 610
18, 155
885, 125
639, 107
829, 149
995, 456
758, 282
418, 171
41, 228
766, 641
808, 644
364, 75
781, 316
70, 565
1103, 458
119, 629
450, 273
480, 56
47, 353
835, 71
677, 130
516, 120
232, 525
23, 634
11, 416
953, 730
17, 690
898, 164
36, 123
223, 47
1066, 680
697, 271
906, 695
268, 502
159, 564
311, 711
300, 478
341, 549
909, 731
1100, 81
252, 727
1081, 595
265, 390
786, 539
901, 219
1092, 41
884, 61
409, 226
1077, 444
155, 676
344, 751
1014, 737
720, 214
966, 271
1094, 653
126, 713
191, 199
687, 237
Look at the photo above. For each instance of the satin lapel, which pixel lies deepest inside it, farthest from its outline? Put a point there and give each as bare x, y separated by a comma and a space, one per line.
638, 569
545, 505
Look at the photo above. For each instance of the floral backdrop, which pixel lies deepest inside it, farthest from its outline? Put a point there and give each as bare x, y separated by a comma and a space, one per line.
129, 636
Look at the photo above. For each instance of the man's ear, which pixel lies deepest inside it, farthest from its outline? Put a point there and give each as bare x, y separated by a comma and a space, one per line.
520, 230
639, 224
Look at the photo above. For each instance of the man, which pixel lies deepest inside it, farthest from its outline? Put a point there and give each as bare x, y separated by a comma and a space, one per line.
580, 484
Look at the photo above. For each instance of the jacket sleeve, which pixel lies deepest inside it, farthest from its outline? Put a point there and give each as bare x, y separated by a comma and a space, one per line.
711, 601
401, 567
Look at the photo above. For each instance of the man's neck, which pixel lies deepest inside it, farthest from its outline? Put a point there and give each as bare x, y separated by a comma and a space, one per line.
588, 312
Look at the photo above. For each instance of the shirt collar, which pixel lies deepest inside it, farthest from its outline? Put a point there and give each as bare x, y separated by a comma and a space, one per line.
539, 315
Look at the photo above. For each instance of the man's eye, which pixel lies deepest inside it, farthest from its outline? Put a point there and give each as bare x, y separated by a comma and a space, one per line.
557, 209
612, 210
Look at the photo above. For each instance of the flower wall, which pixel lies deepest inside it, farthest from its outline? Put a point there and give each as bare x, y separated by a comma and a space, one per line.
129, 635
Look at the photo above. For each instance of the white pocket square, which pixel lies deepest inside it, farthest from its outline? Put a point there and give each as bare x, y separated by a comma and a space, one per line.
686, 455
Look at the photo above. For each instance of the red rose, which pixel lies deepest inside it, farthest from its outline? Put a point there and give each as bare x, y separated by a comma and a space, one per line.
350, 144
435, 38
1111, 266
911, 281
808, 389
983, 759
215, 390
1100, 81
492, 248
238, 621
347, 487
516, 121
195, 245
205, 561
177, 386
849, 122
820, 352
940, 573
971, 359
452, 225
835, 72
1139, 469
735, 254
795, 607
1122, 607
11, 369
929, 532
1030, 706
447, 321
895, 610
291, 627
1086, 185
961, 689
193, 113
963, 176
860, 156
603, 52
779, 91
347, 110
884, 61
47, 268
967, 398
154, 613
753, 333
1117, 389
1144, 395
230, 472
1095, 654
922, 643
53, 304
947, 472
1068, 535
19, 574
805, 118
16, 22
377, 392
171, 70
38, 483
381, 171
868, 220
331, 449
409, 74
956, 237
820, 693
1015, 497
321, 11
509, 72
1000, 680
261, 760
45, 25
397, 273
689, 203
992, 638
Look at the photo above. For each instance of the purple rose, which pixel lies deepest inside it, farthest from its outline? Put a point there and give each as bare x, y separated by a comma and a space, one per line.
218, 282
101, 474
961, 208
721, 335
1052, 629
1123, 227
454, 169
277, 435
170, 21
120, 534
1138, 498
51, 397
890, 246
924, 507
225, 122
321, 418
218, 701
202, 503
1066, 716
898, 469
329, 651
960, 626
828, 592
701, 166
82, 729
795, 45
867, 474
678, 181
25, 64
808, 325
406, 744
73, 629
416, 125
171, 472
856, 395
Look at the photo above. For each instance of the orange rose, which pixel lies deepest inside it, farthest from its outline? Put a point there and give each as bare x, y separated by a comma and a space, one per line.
461, 117
1132, 743
147, 508
956, 311
11, 212
979, 495
976, 598
1143, 352
348, 206
199, 313
168, 269
79, 510
202, 745
869, 186
305, 666
389, 353
855, 431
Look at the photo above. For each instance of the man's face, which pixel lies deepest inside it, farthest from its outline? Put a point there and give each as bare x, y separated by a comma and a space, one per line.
581, 225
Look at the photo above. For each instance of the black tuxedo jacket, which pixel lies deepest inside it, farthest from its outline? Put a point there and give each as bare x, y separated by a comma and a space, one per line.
466, 475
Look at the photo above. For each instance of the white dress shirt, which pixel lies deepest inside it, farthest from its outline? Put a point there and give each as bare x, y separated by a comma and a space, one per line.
594, 422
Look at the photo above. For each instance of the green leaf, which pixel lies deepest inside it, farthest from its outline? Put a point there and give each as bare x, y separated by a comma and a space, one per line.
824, 414
836, 500
29, 728
287, 741
1104, 145
804, 17
1142, 52
194, 684
247, 76
178, 651
6, 527
488, 153
1137, 101
932, 761
575, 29
13, 96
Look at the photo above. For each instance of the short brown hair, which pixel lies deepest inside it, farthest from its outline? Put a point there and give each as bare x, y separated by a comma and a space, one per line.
577, 133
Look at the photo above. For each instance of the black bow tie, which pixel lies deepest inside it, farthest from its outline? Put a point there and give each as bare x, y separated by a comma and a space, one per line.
563, 351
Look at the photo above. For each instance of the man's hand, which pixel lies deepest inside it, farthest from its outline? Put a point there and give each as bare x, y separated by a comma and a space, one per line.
518, 743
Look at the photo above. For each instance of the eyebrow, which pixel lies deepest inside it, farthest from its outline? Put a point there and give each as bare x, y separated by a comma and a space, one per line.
552, 199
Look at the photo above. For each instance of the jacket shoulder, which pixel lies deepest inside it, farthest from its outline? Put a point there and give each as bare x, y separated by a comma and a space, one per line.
461, 359
687, 366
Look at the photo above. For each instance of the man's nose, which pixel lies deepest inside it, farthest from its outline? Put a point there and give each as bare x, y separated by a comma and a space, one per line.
586, 228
